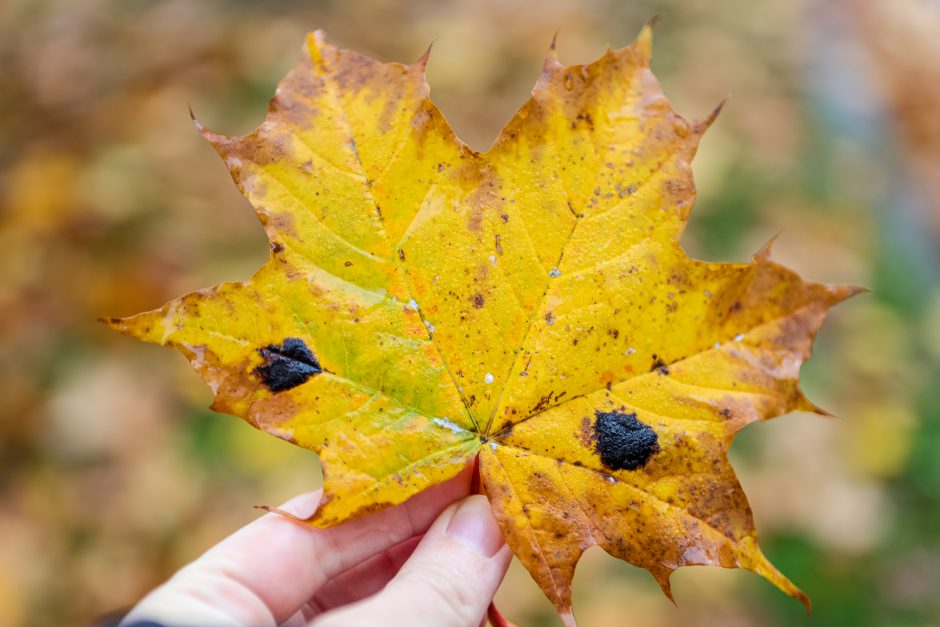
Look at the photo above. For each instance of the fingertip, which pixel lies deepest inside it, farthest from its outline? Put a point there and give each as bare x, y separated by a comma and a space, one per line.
473, 525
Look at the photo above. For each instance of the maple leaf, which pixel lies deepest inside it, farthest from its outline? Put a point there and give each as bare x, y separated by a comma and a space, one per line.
424, 304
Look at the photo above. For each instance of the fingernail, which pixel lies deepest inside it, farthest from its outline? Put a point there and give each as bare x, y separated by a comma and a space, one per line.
473, 525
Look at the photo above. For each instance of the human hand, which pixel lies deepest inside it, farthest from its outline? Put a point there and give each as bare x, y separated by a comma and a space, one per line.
413, 564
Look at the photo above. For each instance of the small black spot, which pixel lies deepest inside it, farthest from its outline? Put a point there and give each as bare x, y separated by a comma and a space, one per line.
288, 365
659, 366
622, 441
478, 300
347, 264
401, 254
276, 247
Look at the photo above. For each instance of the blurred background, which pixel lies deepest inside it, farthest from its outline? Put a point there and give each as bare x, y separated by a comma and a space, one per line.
112, 471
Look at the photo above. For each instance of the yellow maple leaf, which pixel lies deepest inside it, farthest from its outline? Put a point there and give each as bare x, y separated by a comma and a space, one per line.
425, 304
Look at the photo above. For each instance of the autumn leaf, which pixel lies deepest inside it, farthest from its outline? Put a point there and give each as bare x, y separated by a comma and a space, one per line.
424, 304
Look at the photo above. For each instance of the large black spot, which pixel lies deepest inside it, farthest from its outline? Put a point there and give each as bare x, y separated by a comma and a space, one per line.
622, 441
288, 365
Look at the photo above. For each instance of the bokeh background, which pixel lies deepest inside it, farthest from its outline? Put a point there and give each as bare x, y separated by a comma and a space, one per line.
113, 473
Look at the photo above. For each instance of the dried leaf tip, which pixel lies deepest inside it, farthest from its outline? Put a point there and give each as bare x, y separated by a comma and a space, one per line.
662, 578
819, 411
316, 42
281, 512
422, 62
551, 62
199, 126
567, 618
703, 125
766, 250
118, 324
114, 323
642, 46
848, 291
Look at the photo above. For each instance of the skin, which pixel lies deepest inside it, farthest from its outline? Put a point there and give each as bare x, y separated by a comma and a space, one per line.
436, 559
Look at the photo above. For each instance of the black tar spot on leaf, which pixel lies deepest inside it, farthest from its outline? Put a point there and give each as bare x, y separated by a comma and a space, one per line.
288, 365
622, 441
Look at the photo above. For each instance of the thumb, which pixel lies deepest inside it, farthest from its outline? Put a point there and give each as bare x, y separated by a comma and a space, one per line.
450, 579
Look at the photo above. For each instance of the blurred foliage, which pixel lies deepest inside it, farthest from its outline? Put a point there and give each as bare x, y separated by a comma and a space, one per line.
113, 474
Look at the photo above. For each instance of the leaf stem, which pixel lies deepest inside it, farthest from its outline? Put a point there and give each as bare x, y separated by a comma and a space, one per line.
476, 485
496, 619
